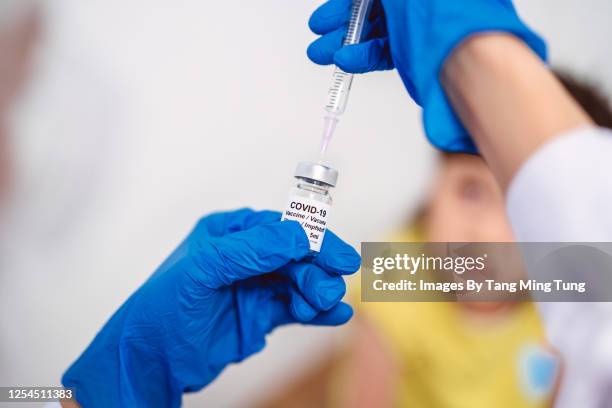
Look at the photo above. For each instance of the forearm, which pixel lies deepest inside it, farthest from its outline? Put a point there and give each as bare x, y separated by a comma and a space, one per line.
508, 100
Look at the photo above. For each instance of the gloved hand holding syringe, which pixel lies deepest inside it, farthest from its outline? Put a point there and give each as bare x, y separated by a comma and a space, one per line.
310, 201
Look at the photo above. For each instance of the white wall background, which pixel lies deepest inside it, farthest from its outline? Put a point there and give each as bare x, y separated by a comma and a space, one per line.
145, 114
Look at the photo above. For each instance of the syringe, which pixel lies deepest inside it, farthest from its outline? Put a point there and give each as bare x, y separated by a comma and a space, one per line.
341, 82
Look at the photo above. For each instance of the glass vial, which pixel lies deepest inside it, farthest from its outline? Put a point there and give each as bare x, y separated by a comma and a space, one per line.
310, 200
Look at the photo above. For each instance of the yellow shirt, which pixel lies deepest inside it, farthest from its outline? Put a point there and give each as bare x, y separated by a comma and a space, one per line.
448, 357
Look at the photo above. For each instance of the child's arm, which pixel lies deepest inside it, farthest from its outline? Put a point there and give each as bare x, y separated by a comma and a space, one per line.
370, 372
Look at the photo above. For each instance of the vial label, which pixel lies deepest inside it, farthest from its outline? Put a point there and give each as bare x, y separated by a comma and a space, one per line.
312, 216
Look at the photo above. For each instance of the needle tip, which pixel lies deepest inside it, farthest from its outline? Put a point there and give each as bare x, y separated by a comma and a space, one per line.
329, 127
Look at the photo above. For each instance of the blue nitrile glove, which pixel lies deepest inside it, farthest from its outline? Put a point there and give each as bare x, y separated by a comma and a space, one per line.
416, 37
235, 278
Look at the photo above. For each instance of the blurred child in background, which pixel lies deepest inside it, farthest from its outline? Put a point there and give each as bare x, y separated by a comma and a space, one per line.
464, 354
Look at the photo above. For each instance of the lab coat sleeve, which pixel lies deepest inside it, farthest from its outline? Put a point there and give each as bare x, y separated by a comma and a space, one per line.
563, 193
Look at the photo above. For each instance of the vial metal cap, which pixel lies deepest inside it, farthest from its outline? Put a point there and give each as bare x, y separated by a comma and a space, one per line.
317, 172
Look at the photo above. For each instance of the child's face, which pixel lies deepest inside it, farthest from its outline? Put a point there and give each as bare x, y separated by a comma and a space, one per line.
467, 204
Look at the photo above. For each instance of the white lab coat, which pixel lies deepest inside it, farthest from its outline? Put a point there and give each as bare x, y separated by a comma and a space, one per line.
563, 193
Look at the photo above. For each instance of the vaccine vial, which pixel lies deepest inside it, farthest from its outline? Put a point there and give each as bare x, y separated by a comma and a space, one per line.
310, 200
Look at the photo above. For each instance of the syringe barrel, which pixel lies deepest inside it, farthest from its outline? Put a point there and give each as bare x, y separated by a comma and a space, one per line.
359, 12
338, 92
341, 82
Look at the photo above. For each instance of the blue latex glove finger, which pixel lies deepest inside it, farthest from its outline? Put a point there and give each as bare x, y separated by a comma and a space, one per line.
278, 305
330, 16
222, 223
250, 253
373, 55
340, 314
282, 315
336, 316
337, 256
301, 310
321, 290
322, 50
